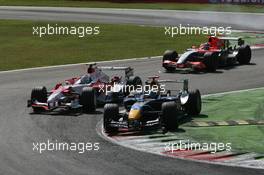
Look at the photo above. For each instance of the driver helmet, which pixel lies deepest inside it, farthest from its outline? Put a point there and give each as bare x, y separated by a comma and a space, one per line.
154, 94
90, 69
115, 79
206, 46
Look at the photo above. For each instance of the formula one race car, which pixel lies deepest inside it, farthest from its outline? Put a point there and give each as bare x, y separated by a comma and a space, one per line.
95, 87
218, 51
157, 109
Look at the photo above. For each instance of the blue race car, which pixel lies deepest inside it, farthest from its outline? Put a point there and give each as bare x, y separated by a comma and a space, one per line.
156, 109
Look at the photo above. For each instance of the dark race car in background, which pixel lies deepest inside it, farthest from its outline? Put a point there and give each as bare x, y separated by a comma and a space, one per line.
155, 110
95, 87
217, 52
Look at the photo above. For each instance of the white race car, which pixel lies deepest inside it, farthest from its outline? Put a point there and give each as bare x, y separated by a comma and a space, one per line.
95, 87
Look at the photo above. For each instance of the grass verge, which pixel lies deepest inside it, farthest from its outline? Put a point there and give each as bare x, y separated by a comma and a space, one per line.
250, 37
21, 49
169, 6
242, 105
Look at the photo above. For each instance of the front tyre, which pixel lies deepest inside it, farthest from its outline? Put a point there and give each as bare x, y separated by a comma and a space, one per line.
194, 103
111, 112
170, 55
88, 99
169, 115
39, 94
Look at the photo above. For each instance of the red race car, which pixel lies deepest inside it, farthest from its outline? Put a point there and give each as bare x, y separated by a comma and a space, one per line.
218, 51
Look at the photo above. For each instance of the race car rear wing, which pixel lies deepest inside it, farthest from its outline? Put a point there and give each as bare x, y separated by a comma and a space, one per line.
155, 78
185, 83
239, 40
229, 38
128, 70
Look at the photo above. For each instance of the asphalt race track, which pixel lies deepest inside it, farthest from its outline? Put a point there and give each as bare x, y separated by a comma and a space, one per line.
131, 16
19, 129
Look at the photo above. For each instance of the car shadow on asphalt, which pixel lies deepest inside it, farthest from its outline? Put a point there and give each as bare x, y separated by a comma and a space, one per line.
218, 71
152, 131
193, 72
200, 116
210, 100
133, 133
187, 120
71, 113
236, 66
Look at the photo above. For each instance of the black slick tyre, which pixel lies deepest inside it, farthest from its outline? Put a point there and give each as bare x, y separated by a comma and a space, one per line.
111, 111
88, 99
194, 103
211, 61
244, 54
169, 115
39, 94
170, 55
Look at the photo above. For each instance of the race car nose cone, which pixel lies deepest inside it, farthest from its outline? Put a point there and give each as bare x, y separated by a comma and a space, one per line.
134, 114
135, 111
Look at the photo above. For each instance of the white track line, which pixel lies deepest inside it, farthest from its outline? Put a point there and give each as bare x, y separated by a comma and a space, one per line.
77, 64
253, 47
231, 92
73, 9
99, 129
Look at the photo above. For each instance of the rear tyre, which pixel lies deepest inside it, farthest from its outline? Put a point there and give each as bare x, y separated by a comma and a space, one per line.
211, 61
194, 103
111, 112
170, 55
88, 99
132, 84
244, 54
170, 69
39, 94
113, 97
169, 115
